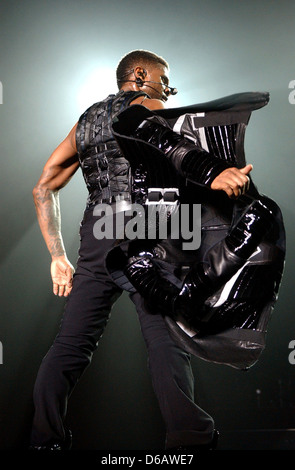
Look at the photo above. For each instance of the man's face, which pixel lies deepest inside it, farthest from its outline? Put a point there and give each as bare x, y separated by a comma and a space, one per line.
159, 75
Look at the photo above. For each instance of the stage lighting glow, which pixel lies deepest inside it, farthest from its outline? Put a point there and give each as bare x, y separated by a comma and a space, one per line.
98, 85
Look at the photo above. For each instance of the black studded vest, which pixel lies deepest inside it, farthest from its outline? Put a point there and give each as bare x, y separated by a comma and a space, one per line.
106, 172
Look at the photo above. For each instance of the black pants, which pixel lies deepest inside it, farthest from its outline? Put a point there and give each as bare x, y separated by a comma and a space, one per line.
85, 317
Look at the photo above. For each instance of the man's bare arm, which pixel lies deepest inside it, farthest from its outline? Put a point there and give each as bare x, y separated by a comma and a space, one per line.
57, 172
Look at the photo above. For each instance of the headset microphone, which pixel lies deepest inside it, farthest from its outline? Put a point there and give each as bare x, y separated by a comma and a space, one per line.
172, 91
140, 82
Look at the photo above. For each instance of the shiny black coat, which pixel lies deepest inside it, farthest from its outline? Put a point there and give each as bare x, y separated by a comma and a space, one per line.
243, 306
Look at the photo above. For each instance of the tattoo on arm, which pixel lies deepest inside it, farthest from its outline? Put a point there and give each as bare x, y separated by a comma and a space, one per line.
48, 213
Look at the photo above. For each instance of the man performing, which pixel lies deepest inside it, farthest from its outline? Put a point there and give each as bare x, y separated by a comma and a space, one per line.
143, 80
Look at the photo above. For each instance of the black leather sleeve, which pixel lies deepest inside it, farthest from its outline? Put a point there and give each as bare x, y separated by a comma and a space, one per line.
186, 157
196, 164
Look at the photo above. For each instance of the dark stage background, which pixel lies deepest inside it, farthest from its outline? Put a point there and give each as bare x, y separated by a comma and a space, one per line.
56, 59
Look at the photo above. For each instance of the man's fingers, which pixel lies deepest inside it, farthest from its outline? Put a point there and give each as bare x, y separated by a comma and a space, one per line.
230, 191
61, 290
247, 184
67, 291
69, 274
237, 192
58, 289
246, 170
62, 286
233, 181
62, 277
238, 180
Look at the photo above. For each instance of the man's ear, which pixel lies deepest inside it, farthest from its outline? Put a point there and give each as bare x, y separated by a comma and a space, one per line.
139, 72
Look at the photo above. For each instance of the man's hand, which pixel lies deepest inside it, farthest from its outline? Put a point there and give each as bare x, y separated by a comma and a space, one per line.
62, 276
233, 181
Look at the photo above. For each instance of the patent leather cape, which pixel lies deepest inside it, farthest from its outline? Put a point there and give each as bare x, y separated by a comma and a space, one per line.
219, 127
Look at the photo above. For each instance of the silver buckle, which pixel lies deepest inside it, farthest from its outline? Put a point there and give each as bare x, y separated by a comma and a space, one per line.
166, 196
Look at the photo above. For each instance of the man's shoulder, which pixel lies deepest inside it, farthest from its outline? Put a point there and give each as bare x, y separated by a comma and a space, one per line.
99, 103
95, 107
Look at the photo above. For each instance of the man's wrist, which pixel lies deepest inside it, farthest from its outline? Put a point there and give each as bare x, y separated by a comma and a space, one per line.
57, 256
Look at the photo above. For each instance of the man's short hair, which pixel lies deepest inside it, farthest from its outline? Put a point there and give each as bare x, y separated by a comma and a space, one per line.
134, 58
